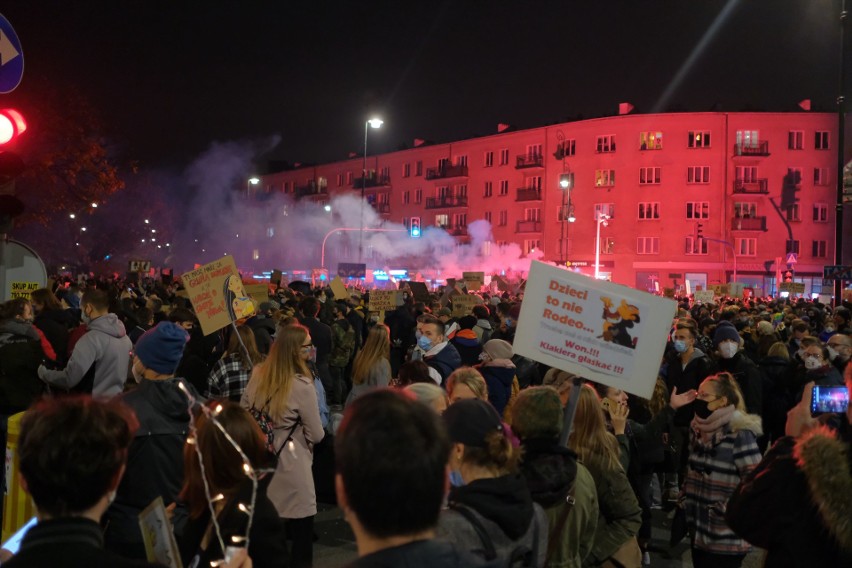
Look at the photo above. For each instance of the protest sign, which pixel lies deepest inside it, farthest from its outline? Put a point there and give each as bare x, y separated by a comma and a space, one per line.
157, 535
139, 266
602, 331
257, 292
669, 292
275, 278
385, 300
502, 285
792, 287
338, 288
23, 289
474, 280
217, 294
419, 291
463, 304
704, 297
735, 289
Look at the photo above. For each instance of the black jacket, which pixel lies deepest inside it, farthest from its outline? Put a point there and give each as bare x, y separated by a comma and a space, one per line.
688, 378
420, 554
321, 338
20, 357
55, 324
748, 377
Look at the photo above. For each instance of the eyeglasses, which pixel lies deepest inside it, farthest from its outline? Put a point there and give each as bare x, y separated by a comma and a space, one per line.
704, 395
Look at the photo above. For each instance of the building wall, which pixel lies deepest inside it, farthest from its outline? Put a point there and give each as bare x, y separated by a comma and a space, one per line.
752, 218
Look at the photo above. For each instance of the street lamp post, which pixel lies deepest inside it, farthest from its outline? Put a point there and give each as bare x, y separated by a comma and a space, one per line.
250, 182
374, 123
601, 219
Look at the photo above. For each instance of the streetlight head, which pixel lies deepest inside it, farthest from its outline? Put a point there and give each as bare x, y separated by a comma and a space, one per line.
72, 216
254, 180
571, 218
94, 204
375, 122
327, 208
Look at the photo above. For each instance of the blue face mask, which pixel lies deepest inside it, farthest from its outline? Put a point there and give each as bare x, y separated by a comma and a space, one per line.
424, 343
680, 345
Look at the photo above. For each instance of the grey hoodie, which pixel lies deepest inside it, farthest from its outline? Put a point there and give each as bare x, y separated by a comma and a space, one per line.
106, 346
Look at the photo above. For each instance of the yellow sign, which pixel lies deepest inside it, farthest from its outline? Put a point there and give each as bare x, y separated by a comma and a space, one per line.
338, 288
217, 294
385, 300
463, 304
257, 292
23, 289
474, 280
792, 287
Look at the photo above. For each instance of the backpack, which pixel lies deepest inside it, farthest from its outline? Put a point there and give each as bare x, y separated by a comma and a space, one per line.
267, 426
521, 555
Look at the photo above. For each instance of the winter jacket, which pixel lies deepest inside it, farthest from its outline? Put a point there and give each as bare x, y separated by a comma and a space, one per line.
499, 381
505, 508
748, 378
99, 362
550, 471
444, 360
468, 346
343, 339
483, 330
154, 461
796, 503
20, 356
55, 325
422, 554
714, 471
378, 377
687, 378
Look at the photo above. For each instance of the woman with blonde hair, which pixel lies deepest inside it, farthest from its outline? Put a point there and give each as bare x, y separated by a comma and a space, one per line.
371, 368
231, 373
465, 383
620, 515
430, 394
283, 388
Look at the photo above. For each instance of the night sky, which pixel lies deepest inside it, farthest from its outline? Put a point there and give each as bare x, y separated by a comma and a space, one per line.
169, 78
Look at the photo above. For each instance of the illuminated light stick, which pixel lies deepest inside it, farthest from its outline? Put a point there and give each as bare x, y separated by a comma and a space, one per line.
250, 472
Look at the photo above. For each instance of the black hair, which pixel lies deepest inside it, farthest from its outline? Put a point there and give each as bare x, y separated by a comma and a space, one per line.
310, 307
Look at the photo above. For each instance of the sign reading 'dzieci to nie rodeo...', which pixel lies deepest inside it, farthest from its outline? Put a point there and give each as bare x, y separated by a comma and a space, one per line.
601, 331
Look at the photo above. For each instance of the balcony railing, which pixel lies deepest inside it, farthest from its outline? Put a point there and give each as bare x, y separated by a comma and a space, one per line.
528, 194
528, 227
529, 161
458, 230
372, 181
383, 208
310, 189
442, 172
748, 224
752, 149
751, 186
446, 201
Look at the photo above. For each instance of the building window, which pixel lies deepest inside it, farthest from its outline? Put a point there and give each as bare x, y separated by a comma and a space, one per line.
698, 210
698, 174
532, 214
698, 139
745, 210
504, 218
566, 148
695, 246
649, 210
605, 144
418, 195
748, 139
746, 247
418, 168
531, 245
820, 176
406, 169
795, 140
820, 213
406, 197
533, 182
792, 247
461, 160
489, 189
648, 245
534, 150
406, 223
746, 174
821, 140
489, 159
793, 212
794, 176
504, 187
385, 173
460, 220
461, 191
488, 216
604, 209
442, 220
608, 245
818, 249
650, 140
443, 192
348, 178
604, 178
649, 175
504, 156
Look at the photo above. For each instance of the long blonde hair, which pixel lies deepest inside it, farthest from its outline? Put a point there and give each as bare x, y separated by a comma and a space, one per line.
234, 348
375, 350
727, 386
471, 378
272, 380
589, 436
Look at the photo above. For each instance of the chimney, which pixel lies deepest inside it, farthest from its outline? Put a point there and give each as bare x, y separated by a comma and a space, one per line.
625, 108
503, 127
805, 104
419, 142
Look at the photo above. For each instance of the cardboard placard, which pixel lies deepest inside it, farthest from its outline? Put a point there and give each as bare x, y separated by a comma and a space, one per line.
605, 332
158, 536
474, 280
23, 289
338, 288
217, 294
720, 289
704, 297
275, 278
792, 287
385, 300
419, 291
735, 289
502, 285
139, 266
257, 292
463, 304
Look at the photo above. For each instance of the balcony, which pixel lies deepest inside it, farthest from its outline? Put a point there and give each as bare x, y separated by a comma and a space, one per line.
529, 161
444, 172
528, 227
446, 202
310, 189
748, 224
372, 181
751, 186
457, 231
382, 208
752, 149
528, 194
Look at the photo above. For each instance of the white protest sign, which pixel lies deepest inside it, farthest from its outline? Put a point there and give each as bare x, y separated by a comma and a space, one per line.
160, 545
385, 300
704, 297
601, 331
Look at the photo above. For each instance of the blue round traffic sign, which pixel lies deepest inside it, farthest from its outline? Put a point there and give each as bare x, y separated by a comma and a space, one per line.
11, 57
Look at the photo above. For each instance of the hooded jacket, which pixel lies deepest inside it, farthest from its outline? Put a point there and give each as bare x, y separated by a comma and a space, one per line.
468, 346
483, 330
99, 362
505, 508
499, 380
20, 356
796, 504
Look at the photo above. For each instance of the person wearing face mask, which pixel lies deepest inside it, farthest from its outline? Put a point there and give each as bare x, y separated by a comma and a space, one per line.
155, 458
99, 360
441, 356
498, 370
818, 369
732, 359
839, 350
724, 450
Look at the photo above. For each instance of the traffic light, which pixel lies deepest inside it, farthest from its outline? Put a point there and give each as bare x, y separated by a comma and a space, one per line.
700, 232
414, 228
12, 125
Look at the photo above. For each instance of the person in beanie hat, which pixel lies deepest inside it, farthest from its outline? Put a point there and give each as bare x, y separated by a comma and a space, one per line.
556, 479
498, 370
733, 359
155, 458
495, 505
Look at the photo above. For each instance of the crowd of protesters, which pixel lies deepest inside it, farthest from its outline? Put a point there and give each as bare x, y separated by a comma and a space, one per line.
438, 441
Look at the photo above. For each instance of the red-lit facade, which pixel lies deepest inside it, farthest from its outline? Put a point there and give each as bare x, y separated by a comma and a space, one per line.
689, 194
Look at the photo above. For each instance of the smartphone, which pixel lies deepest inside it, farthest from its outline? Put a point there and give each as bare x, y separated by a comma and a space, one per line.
14, 543
606, 403
829, 400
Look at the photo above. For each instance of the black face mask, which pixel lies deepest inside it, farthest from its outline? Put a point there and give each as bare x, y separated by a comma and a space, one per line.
701, 410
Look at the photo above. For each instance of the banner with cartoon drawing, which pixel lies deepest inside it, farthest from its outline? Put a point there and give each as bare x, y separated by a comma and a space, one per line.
217, 294
602, 331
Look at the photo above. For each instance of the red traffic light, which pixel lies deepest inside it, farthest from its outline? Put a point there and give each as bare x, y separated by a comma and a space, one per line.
12, 125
